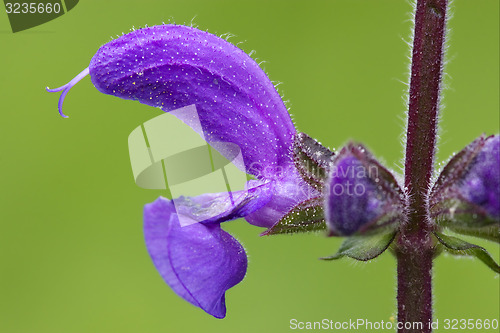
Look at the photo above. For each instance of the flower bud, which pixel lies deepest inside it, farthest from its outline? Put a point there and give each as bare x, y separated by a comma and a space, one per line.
361, 194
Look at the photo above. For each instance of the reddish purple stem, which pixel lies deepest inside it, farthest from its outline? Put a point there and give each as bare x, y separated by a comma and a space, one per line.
414, 244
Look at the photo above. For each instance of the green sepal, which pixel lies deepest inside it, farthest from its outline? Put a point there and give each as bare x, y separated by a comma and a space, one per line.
455, 169
384, 178
457, 246
466, 218
364, 248
312, 159
307, 216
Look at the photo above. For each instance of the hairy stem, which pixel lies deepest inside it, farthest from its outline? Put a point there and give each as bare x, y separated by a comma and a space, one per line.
414, 244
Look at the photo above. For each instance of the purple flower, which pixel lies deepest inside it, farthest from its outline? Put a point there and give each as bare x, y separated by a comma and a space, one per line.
466, 196
172, 66
199, 261
481, 184
361, 194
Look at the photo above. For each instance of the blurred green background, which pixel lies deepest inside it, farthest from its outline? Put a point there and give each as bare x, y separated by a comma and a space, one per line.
72, 255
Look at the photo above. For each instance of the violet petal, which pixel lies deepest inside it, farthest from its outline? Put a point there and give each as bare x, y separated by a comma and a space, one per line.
221, 207
199, 261
481, 184
172, 66
289, 189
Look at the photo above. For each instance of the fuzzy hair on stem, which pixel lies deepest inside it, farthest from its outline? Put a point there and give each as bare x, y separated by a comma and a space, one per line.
414, 246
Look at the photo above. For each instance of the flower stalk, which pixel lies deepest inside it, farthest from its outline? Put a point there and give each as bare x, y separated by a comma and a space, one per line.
414, 247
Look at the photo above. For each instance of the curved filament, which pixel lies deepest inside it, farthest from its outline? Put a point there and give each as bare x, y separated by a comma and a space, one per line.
66, 88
